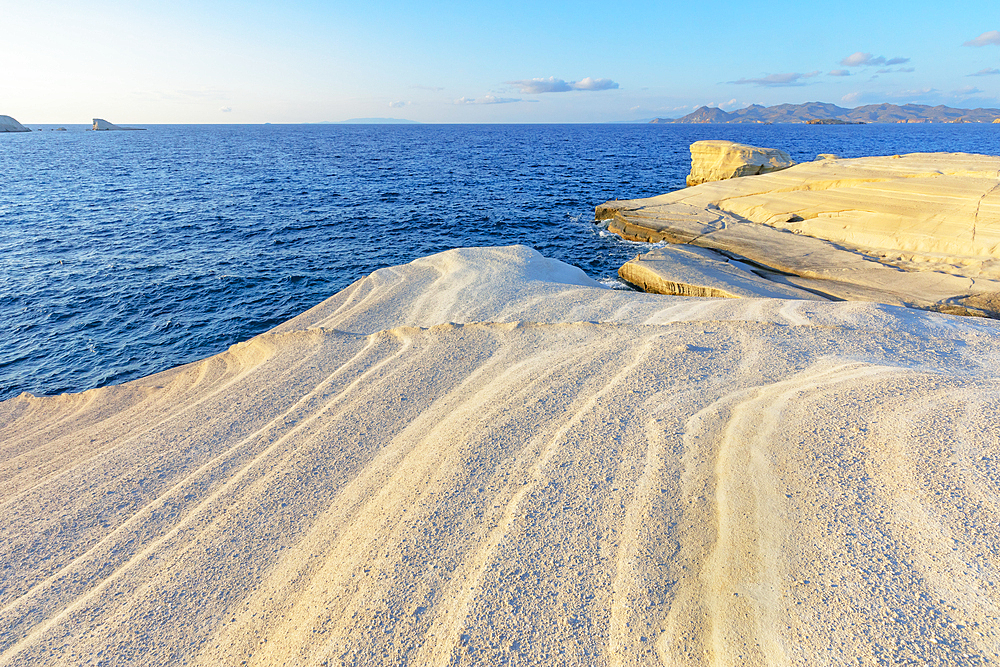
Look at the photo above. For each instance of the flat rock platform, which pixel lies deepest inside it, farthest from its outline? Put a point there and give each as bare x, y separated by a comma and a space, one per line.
921, 230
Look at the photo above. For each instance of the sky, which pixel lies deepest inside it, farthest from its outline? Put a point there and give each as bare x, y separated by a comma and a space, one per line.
215, 61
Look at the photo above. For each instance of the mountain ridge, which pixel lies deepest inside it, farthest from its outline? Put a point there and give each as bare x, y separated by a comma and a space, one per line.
819, 111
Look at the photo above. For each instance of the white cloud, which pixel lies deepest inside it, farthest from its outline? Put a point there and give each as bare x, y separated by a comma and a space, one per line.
990, 37
399, 104
554, 85
900, 94
839, 72
990, 71
226, 109
967, 90
889, 70
856, 59
775, 80
486, 99
916, 96
591, 83
862, 59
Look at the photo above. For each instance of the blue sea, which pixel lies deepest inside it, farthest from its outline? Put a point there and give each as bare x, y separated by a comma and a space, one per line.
126, 253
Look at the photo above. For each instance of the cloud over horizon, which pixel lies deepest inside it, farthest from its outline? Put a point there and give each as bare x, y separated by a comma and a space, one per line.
989, 37
554, 85
776, 80
989, 71
862, 59
839, 72
967, 90
487, 99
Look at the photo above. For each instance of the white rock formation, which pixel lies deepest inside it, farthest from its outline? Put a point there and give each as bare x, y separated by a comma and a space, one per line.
687, 270
101, 124
722, 160
921, 230
8, 124
483, 457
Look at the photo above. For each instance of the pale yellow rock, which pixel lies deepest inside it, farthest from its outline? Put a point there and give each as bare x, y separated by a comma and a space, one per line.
485, 458
921, 228
687, 270
718, 160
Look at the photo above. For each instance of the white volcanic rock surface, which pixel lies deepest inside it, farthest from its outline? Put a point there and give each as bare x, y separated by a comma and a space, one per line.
717, 160
484, 457
920, 229
687, 270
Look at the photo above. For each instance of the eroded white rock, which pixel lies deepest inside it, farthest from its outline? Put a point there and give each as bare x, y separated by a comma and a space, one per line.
718, 160
920, 230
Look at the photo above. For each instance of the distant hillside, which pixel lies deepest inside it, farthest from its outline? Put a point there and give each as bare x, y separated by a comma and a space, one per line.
872, 113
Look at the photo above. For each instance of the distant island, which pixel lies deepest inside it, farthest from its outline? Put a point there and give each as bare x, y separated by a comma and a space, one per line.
102, 125
8, 124
379, 121
821, 113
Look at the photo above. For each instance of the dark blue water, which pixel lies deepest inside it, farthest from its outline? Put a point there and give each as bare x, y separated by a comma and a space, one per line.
125, 253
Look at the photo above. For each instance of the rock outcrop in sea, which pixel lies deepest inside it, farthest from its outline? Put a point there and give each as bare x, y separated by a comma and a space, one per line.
101, 124
920, 230
8, 124
720, 160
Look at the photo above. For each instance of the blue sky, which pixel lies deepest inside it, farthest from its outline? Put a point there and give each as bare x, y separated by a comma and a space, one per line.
253, 62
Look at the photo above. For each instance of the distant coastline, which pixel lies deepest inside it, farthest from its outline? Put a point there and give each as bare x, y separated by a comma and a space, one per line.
821, 113
377, 121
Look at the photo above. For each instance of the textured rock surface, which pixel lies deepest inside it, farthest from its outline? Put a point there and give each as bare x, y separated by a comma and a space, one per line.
920, 230
720, 160
687, 270
8, 124
484, 458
